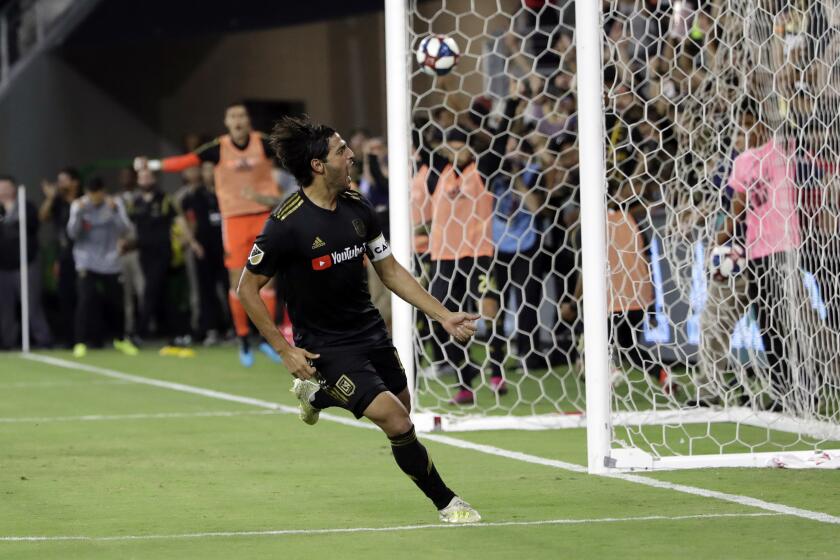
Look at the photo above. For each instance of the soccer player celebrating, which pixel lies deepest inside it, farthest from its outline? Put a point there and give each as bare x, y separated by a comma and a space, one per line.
317, 241
246, 192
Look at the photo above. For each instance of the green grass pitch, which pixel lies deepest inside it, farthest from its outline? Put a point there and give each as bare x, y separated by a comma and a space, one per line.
135, 471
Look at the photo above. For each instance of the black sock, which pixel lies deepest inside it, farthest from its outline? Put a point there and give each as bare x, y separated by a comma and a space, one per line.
321, 400
244, 344
415, 461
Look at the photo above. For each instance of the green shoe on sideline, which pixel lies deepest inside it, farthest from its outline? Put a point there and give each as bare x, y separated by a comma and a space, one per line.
79, 350
126, 347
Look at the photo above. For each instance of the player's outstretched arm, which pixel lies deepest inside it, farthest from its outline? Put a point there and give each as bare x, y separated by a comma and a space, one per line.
296, 360
400, 281
175, 164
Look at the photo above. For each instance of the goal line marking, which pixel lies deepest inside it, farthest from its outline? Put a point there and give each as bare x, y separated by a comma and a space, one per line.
294, 532
139, 416
447, 440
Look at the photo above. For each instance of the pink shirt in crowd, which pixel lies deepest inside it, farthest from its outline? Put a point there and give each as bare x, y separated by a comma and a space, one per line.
766, 174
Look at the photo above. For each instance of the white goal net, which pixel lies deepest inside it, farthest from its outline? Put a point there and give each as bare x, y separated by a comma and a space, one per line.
722, 256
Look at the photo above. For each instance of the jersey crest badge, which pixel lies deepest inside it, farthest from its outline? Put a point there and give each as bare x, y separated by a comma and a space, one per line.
256, 255
360, 227
346, 385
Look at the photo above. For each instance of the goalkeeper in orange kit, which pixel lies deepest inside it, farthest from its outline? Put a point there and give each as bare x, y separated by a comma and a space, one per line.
247, 191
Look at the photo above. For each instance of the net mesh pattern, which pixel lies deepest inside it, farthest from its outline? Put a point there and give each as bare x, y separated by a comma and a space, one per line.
721, 138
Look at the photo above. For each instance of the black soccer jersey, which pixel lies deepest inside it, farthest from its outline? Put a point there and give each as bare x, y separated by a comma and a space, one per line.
318, 255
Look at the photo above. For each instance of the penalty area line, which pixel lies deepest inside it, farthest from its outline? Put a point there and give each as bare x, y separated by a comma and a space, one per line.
448, 440
398, 528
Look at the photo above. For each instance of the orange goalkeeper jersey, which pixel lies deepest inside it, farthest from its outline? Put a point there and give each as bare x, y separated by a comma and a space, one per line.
462, 212
238, 170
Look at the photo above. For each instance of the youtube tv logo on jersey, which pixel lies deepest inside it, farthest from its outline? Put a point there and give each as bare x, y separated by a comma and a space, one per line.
321, 263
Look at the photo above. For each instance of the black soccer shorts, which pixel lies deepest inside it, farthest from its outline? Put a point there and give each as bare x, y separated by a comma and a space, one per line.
352, 379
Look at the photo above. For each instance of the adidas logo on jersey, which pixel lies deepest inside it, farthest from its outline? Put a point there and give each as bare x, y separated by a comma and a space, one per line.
318, 243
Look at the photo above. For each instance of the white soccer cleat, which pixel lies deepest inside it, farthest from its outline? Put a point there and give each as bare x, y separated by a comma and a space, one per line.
459, 511
303, 390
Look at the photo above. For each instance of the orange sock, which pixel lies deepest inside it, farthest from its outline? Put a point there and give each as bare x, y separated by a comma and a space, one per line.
269, 297
237, 313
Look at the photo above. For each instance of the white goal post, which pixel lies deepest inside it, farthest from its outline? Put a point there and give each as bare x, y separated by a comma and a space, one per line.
396, 67
593, 235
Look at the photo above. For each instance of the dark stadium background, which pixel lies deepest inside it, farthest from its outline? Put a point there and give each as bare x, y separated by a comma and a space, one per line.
122, 78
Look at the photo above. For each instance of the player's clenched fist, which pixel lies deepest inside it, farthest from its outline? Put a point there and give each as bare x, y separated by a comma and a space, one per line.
460, 325
299, 362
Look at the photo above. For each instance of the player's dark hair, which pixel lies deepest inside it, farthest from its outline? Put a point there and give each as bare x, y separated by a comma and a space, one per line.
7, 177
95, 184
297, 141
71, 172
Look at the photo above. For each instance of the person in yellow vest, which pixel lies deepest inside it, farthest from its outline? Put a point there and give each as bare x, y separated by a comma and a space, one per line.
246, 191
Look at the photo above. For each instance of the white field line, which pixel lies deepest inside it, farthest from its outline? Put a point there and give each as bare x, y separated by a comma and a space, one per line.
743, 500
292, 532
189, 389
147, 416
448, 440
498, 451
42, 384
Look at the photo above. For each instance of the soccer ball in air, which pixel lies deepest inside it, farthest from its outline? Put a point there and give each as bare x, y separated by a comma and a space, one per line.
727, 261
437, 54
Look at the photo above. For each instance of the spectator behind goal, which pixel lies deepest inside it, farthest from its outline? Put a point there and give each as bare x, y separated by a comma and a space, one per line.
461, 243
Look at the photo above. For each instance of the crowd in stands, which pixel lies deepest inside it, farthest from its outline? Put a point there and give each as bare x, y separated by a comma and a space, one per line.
114, 261
655, 56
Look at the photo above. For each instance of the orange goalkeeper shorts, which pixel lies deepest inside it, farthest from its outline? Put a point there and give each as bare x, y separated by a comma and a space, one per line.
238, 235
